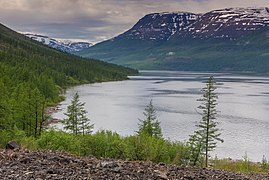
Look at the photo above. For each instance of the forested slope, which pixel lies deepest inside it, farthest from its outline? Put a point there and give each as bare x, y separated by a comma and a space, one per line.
32, 76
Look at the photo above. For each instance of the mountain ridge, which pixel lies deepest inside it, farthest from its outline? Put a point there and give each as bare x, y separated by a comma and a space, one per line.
164, 28
65, 46
230, 39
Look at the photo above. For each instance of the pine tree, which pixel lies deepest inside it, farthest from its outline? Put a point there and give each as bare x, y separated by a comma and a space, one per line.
205, 138
77, 122
150, 125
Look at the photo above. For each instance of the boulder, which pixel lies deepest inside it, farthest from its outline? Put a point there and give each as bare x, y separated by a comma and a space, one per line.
12, 145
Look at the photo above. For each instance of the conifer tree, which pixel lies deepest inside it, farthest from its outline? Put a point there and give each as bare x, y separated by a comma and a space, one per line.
150, 125
76, 121
205, 138
85, 127
37, 101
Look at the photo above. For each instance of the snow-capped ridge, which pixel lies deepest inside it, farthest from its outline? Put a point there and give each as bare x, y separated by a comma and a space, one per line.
160, 26
228, 23
62, 45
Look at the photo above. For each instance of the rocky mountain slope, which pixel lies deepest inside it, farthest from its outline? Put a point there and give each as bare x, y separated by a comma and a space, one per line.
160, 26
66, 46
231, 23
59, 165
232, 39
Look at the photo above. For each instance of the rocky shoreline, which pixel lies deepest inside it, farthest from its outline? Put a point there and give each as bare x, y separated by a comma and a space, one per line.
41, 165
51, 110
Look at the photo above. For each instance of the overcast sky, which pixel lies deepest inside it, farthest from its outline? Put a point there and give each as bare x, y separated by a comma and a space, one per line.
97, 20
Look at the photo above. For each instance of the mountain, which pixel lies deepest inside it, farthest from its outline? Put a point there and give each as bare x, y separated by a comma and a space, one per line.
232, 39
159, 26
228, 23
65, 46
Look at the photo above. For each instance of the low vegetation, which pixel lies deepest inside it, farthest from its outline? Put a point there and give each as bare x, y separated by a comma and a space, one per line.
243, 165
105, 144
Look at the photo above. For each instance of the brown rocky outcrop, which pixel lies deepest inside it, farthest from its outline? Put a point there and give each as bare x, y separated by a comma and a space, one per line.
59, 165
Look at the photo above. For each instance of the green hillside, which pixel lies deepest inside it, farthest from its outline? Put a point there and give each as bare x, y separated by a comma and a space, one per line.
32, 76
249, 54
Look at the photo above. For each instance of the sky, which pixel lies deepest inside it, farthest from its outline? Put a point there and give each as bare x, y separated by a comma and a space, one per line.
97, 20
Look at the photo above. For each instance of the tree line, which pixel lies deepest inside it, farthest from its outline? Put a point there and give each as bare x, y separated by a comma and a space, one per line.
33, 77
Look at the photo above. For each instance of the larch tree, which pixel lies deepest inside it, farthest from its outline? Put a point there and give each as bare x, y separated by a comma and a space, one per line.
150, 125
85, 126
206, 137
77, 121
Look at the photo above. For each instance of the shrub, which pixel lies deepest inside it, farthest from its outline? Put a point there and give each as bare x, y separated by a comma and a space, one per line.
58, 140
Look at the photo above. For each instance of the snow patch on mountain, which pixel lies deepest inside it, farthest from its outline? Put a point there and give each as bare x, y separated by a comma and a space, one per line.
66, 46
160, 26
229, 23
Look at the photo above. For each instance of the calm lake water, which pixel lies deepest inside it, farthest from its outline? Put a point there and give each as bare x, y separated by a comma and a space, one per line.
243, 107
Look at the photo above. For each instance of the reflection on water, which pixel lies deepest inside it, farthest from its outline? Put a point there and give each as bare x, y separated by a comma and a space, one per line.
243, 105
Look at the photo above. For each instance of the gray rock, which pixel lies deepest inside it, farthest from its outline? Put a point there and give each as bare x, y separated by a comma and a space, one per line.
12, 145
160, 174
59, 165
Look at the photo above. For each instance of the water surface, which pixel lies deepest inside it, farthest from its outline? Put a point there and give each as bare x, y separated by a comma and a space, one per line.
243, 107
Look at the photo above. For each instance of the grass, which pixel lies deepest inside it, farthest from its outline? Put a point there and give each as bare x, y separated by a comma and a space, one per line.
104, 144
244, 165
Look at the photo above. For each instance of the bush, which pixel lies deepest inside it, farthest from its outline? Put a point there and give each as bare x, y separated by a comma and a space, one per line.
108, 144
148, 148
11, 134
105, 144
58, 140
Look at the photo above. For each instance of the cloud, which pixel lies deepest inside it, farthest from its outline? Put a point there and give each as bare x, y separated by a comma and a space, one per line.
93, 20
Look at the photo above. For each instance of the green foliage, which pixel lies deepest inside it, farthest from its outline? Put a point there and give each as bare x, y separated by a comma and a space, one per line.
18, 135
205, 138
58, 140
109, 144
244, 165
77, 122
196, 150
32, 76
150, 126
153, 149
11, 134
105, 144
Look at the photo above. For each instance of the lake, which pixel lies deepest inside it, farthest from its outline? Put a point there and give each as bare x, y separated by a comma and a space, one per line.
243, 106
